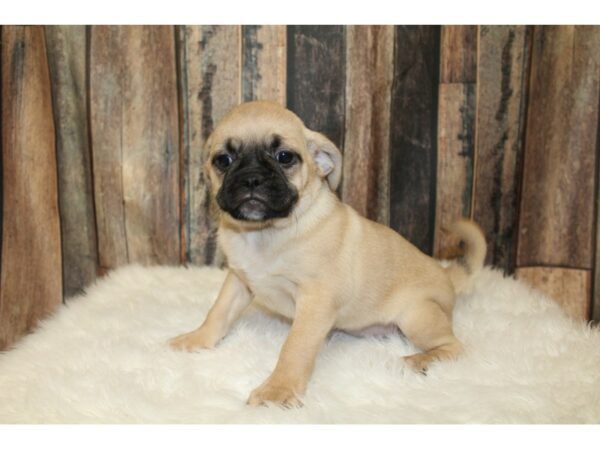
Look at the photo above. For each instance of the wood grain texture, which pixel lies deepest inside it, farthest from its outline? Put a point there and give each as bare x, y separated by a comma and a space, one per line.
264, 63
413, 133
369, 72
455, 158
595, 300
459, 54
499, 136
556, 225
210, 85
316, 74
66, 47
1, 169
135, 145
569, 287
456, 123
30, 283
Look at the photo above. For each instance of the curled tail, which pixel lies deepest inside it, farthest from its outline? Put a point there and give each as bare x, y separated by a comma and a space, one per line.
473, 256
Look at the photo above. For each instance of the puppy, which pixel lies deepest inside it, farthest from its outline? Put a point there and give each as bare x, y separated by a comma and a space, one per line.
292, 245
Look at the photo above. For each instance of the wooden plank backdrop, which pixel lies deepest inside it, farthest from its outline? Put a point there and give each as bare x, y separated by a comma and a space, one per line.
31, 279
103, 129
456, 123
413, 133
557, 213
67, 61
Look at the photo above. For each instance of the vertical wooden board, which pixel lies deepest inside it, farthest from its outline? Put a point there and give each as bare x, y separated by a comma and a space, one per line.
557, 202
30, 284
500, 120
595, 301
459, 54
264, 63
66, 46
569, 287
316, 77
1, 169
135, 145
413, 133
456, 119
369, 72
456, 123
106, 79
210, 85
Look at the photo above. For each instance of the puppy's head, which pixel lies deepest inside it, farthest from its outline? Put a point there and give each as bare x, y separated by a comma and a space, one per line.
262, 160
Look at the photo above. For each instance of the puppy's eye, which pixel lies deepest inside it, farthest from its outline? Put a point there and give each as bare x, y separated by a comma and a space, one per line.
222, 161
285, 157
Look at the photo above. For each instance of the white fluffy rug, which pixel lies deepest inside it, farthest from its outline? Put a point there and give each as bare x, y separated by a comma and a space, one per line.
104, 358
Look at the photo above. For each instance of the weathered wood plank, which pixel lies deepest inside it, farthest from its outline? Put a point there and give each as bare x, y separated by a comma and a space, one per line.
210, 85
1, 169
456, 123
500, 122
459, 54
455, 158
106, 80
413, 133
316, 74
135, 145
66, 46
569, 287
30, 283
556, 225
264, 63
595, 301
369, 72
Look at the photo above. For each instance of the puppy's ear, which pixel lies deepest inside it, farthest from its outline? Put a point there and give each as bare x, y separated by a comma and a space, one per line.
326, 156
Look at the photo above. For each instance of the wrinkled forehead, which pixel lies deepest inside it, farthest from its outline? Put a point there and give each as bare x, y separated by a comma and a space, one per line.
258, 127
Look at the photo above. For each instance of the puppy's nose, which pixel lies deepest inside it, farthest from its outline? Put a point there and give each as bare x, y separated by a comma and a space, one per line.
253, 181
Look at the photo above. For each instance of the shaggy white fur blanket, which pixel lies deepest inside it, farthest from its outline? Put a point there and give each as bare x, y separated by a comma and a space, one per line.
103, 357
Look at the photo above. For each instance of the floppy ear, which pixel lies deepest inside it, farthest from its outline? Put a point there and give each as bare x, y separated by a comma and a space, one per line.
326, 156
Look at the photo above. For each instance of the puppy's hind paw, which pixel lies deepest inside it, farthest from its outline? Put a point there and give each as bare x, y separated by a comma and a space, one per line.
418, 363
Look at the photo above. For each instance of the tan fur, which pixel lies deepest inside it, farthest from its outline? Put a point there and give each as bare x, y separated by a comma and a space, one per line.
325, 266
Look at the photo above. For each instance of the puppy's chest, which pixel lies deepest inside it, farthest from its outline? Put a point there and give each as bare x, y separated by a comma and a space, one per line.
266, 273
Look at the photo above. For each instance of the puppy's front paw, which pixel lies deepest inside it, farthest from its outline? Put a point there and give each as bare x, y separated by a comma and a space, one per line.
192, 341
279, 395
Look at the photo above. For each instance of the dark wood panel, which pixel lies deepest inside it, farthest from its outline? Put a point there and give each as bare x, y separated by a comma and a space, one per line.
459, 54
316, 77
264, 63
66, 46
369, 73
135, 144
413, 133
501, 96
30, 283
571, 288
210, 71
556, 224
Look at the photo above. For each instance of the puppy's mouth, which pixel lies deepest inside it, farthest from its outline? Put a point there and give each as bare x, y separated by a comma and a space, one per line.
253, 207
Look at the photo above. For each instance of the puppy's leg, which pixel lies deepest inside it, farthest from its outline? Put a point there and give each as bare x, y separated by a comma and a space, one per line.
313, 320
429, 327
233, 298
